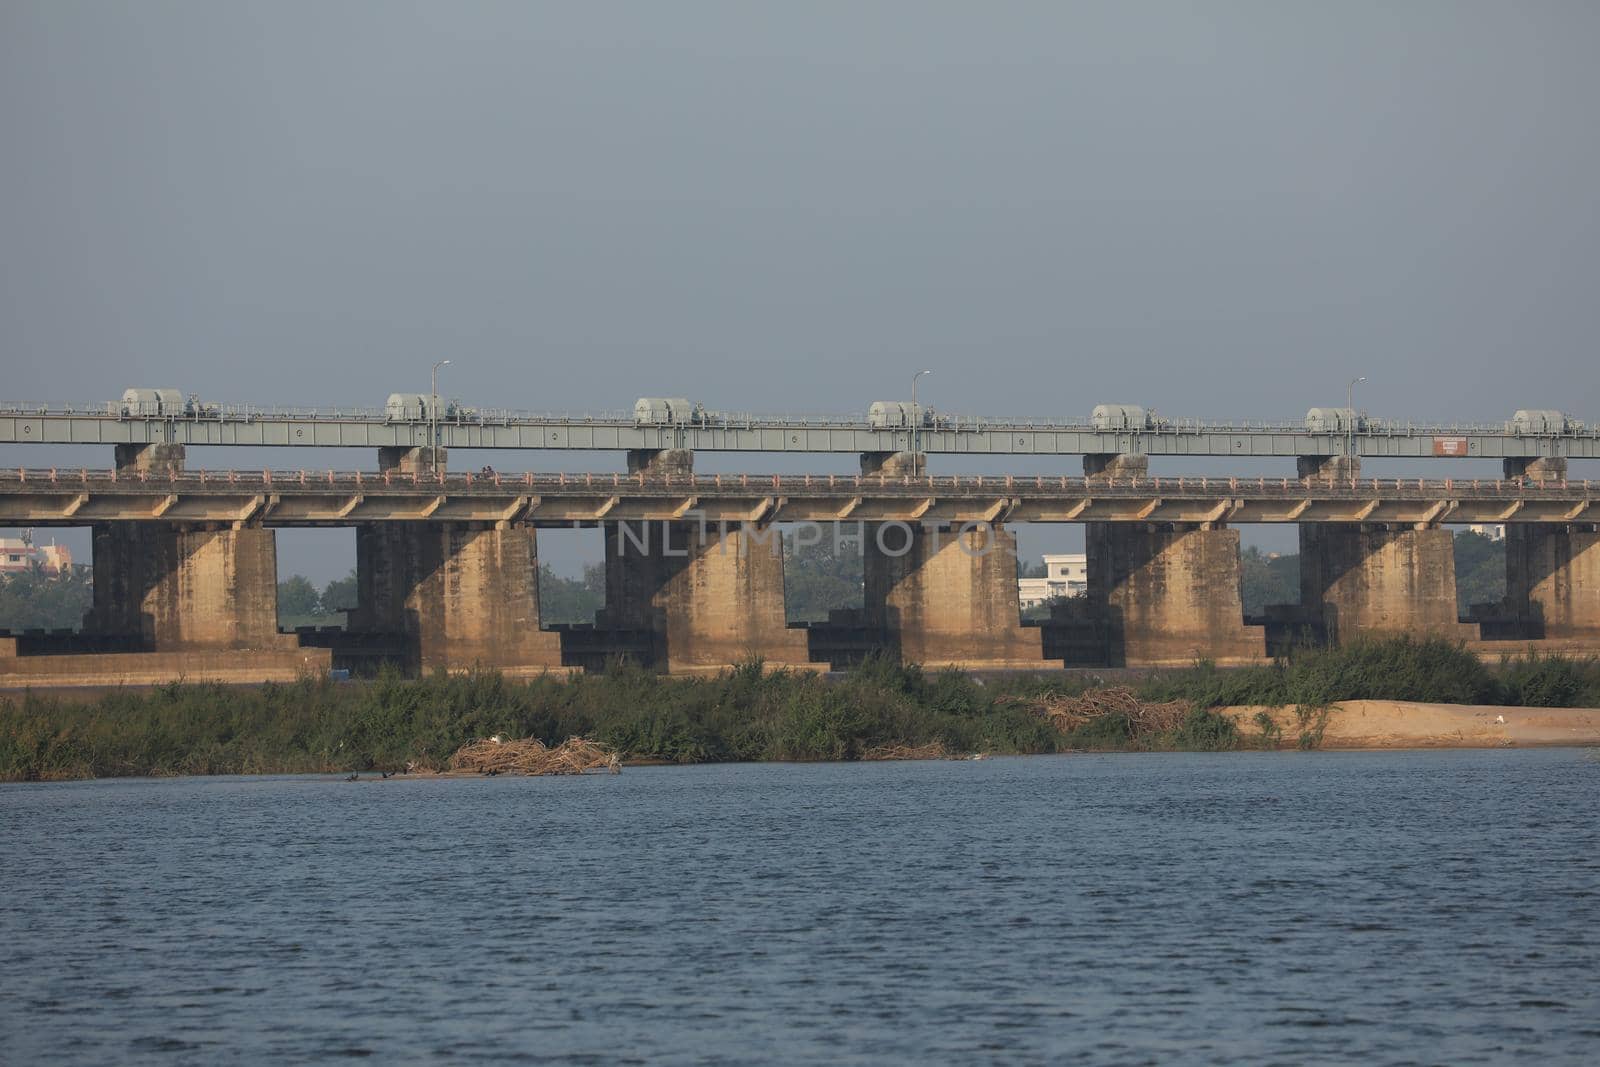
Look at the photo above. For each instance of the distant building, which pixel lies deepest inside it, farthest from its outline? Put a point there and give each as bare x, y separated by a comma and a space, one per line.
19, 556
1065, 574
1493, 531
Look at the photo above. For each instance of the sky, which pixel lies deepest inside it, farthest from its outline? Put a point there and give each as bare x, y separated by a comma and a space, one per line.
1219, 210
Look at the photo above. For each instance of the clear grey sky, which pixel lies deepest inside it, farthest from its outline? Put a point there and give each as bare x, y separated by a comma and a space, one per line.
1225, 209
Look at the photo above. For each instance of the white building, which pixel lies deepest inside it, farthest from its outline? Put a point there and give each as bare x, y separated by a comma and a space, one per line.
1065, 574
21, 555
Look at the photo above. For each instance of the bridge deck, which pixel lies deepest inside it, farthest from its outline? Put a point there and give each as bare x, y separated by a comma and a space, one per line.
246, 427
58, 497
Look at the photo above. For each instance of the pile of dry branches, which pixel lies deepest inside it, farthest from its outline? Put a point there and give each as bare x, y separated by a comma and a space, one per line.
576, 755
1068, 713
931, 750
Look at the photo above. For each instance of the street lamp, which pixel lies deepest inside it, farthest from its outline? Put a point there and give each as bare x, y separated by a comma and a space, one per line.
916, 424
433, 417
1350, 427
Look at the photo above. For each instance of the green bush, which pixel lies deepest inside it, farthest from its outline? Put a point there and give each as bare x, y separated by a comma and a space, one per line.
745, 714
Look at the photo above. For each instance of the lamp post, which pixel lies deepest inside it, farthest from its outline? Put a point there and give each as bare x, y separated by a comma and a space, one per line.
916, 424
1350, 427
433, 417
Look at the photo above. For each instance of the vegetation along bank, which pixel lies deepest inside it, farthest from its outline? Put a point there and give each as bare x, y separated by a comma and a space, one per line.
880, 710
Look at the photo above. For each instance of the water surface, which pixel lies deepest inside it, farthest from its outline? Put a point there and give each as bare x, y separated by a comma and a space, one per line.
1425, 907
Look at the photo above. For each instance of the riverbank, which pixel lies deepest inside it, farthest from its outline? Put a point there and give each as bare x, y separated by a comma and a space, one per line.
1430, 692
1381, 724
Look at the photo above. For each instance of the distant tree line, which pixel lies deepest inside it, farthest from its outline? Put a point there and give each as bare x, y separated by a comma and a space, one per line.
301, 604
37, 600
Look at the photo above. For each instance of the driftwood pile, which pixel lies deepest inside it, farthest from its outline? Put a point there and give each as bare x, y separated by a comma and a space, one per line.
492, 755
1068, 713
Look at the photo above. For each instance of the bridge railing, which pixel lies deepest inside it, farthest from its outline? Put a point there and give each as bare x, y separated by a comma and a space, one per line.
462, 415
21, 479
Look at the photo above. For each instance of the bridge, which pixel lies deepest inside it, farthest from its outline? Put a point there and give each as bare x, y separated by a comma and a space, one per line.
447, 562
1116, 430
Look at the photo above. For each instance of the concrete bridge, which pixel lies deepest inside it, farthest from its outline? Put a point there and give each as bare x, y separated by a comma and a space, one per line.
185, 564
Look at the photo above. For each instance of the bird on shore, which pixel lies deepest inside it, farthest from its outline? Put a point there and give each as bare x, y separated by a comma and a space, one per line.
354, 778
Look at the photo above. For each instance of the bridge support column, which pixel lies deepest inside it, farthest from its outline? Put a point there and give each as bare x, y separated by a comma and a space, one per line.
710, 597
1360, 578
662, 462
946, 596
461, 595
1338, 469
1116, 465
1537, 468
183, 588
894, 464
413, 460
1553, 581
1170, 595
149, 459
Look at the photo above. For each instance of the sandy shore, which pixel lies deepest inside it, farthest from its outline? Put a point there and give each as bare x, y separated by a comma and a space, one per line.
1403, 724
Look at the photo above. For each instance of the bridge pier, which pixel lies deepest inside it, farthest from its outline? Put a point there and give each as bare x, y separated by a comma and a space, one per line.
1553, 581
1337, 469
181, 588
710, 597
661, 462
1361, 578
1536, 468
149, 459
413, 460
1116, 465
1169, 595
461, 595
946, 596
894, 464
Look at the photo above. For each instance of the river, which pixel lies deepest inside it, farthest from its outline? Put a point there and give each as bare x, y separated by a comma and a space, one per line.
1394, 907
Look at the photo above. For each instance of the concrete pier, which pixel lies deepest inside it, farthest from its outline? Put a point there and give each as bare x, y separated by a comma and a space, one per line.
1169, 595
1337, 469
461, 595
894, 464
1553, 581
149, 459
1116, 465
1375, 578
661, 462
1537, 468
709, 597
418, 460
946, 596
182, 588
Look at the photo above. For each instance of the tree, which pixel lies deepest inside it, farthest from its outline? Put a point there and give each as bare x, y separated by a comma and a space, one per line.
571, 600
297, 598
38, 601
818, 580
340, 594
1268, 579
1480, 570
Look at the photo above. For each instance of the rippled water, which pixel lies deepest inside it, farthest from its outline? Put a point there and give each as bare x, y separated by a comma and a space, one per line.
1396, 907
